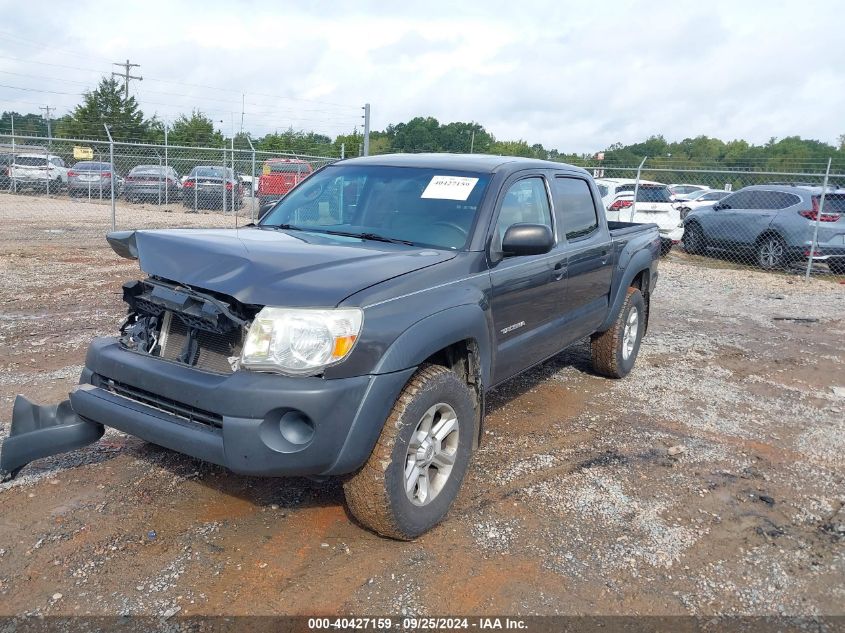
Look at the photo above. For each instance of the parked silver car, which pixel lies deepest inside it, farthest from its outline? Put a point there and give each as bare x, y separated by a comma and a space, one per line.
152, 182
92, 179
774, 224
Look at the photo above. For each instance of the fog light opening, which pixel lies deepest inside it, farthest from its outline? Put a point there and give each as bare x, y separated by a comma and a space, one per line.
296, 428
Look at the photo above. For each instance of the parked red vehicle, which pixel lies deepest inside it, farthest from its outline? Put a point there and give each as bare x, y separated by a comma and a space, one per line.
280, 175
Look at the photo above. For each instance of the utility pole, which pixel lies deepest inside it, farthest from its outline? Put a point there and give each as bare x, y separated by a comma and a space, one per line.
47, 110
366, 118
126, 76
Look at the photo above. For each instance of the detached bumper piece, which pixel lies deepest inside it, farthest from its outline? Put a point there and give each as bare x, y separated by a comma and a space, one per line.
42, 431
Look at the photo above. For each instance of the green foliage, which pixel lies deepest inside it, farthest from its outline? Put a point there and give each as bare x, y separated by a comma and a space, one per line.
297, 142
25, 124
106, 104
197, 130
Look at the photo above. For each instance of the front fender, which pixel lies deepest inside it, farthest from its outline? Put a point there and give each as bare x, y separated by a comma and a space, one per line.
639, 261
436, 332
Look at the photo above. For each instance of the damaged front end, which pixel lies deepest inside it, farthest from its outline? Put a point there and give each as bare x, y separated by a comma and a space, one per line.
183, 325
173, 322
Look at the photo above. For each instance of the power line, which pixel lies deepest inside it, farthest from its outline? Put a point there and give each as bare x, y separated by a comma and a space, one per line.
126, 76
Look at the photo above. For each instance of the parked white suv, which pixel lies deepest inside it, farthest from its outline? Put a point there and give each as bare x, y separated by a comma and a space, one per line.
610, 187
654, 205
38, 171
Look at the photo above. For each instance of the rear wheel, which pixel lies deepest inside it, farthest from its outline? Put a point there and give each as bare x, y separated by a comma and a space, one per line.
771, 252
415, 471
615, 351
837, 266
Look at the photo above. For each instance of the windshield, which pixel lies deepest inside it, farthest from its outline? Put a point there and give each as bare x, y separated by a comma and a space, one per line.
647, 193
426, 207
833, 203
695, 195
89, 166
208, 172
148, 169
286, 168
31, 161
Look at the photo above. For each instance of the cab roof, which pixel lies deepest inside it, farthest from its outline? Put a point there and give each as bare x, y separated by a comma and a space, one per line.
461, 162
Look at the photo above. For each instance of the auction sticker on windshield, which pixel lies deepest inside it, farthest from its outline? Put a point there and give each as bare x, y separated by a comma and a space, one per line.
449, 188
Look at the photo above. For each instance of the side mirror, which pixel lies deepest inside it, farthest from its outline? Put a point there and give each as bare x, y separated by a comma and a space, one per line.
527, 239
262, 211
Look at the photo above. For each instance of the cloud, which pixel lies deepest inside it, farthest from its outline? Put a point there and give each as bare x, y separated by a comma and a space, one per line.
573, 76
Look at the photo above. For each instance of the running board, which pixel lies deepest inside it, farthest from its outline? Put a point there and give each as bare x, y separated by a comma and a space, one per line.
42, 431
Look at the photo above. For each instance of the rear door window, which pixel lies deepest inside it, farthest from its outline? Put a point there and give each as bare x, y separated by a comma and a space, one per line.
575, 209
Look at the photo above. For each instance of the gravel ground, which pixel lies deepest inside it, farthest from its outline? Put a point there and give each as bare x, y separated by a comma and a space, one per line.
710, 481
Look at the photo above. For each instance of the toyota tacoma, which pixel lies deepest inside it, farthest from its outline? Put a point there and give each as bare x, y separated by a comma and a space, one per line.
355, 330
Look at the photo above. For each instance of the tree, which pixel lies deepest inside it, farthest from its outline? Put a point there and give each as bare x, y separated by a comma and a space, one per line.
296, 142
25, 124
106, 104
197, 129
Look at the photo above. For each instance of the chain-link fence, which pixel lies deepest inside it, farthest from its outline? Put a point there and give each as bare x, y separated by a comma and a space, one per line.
132, 185
790, 222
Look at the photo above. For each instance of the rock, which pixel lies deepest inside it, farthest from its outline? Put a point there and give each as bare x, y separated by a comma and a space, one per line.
676, 450
769, 501
839, 392
171, 612
57, 596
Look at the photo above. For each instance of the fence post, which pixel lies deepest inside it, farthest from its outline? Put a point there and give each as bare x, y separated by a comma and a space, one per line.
12, 171
637, 189
816, 223
252, 184
235, 181
342, 151
167, 188
224, 179
111, 159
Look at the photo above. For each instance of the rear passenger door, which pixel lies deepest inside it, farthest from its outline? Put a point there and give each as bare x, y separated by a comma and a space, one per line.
524, 295
766, 207
588, 258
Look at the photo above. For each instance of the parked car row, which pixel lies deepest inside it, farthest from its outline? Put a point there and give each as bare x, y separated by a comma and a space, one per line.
203, 186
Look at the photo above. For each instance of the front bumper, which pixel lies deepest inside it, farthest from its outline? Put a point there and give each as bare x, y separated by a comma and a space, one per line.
675, 234
236, 420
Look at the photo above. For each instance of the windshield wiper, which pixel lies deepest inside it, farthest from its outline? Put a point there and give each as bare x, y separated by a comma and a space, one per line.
286, 227
375, 237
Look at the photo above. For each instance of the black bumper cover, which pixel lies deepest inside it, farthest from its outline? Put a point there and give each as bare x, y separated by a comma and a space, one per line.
347, 414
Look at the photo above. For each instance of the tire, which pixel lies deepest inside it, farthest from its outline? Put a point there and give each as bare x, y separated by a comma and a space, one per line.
614, 352
376, 494
694, 241
771, 253
837, 266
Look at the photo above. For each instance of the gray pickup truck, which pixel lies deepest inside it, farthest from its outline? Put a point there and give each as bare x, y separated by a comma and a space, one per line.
355, 330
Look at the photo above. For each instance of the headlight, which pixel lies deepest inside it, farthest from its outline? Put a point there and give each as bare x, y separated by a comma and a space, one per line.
300, 341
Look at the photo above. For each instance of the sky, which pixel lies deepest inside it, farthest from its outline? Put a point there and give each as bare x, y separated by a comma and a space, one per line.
575, 76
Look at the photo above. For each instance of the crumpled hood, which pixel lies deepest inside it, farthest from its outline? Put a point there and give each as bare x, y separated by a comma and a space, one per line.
271, 267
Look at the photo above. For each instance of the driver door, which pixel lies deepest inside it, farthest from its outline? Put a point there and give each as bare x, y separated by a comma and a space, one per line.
525, 295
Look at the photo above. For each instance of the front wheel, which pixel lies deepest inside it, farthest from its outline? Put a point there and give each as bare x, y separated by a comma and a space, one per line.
614, 351
837, 266
771, 253
693, 239
415, 471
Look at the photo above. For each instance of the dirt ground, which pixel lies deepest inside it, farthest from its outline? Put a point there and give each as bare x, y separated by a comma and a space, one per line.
710, 481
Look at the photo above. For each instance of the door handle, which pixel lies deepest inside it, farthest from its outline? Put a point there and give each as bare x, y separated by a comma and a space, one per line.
560, 271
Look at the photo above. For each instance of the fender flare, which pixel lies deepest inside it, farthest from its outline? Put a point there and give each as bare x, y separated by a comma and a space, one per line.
436, 332
640, 261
